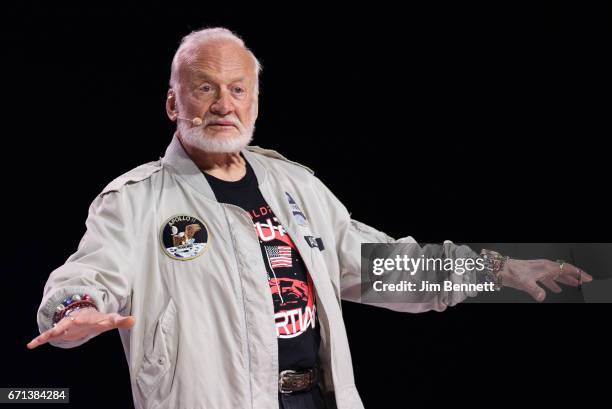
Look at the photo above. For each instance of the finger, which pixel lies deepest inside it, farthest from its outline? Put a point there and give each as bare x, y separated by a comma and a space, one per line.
114, 320
125, 322
104, 325
582, 276
566, 274
119, 321
61, 328
35, 342
52, 333
567, 280
585, 277
551, 285
533, 289
574, 271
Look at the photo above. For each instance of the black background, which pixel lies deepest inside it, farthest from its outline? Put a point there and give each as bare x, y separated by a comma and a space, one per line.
449, 121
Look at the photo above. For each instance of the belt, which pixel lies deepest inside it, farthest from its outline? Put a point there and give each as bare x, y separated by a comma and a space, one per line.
297, 381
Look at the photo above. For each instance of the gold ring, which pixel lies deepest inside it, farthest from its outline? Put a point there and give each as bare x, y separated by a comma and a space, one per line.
561, 265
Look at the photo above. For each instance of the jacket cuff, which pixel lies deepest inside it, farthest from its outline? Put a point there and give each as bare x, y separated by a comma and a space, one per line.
451, 250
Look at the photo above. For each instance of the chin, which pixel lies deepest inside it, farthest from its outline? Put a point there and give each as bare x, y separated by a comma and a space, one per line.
216, 142
230, 133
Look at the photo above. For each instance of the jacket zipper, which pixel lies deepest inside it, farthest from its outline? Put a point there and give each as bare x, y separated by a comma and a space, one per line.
246, 329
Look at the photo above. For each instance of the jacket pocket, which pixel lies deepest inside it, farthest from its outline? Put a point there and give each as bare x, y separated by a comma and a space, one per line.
157, 360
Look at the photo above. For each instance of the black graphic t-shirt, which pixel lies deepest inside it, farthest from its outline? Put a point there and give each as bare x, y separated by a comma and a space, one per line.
290, 284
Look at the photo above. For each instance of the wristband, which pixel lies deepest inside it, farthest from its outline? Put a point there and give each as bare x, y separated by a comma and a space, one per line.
72, 303
494, 263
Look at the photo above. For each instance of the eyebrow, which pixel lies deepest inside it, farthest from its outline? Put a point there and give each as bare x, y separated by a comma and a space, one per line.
199, 75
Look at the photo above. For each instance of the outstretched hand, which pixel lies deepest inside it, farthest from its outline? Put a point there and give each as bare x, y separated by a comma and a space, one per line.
81, 324
524, 275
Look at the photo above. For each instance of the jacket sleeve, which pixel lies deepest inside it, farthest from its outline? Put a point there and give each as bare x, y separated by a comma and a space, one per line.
99, 267
350, 234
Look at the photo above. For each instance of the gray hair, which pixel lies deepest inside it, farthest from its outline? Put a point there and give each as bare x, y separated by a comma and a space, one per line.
200, 37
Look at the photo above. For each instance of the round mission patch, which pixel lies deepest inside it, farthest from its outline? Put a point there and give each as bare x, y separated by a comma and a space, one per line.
184, 237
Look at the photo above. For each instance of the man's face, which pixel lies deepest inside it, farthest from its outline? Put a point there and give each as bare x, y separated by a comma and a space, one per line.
217, 84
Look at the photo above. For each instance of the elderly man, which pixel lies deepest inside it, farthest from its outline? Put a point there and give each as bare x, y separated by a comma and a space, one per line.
223, 264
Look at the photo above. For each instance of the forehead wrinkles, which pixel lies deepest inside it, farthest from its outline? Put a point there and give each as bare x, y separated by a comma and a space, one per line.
219, 61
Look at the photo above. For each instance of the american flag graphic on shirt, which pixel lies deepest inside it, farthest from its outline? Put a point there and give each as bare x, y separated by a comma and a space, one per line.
279, 256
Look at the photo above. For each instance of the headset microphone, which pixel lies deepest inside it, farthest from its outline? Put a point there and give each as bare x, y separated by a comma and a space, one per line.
194, 121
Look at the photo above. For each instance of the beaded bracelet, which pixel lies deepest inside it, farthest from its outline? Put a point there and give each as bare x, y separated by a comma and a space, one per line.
72, 303
494, 264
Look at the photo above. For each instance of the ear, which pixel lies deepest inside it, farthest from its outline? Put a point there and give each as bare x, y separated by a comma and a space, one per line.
171, 105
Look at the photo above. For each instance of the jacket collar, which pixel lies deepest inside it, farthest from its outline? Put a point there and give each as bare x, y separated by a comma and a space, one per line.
181, 164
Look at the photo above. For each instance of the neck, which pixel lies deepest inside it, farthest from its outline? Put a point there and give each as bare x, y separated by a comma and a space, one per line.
228, 166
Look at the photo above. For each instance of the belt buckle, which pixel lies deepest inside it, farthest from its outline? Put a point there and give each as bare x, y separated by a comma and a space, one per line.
280, 380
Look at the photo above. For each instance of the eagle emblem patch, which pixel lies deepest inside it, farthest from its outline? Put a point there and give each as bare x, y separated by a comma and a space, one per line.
184, 237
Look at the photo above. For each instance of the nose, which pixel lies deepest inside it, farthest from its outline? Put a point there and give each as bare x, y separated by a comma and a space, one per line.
223, 105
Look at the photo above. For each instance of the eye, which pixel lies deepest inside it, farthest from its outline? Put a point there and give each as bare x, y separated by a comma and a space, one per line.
238, 90
205, 88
